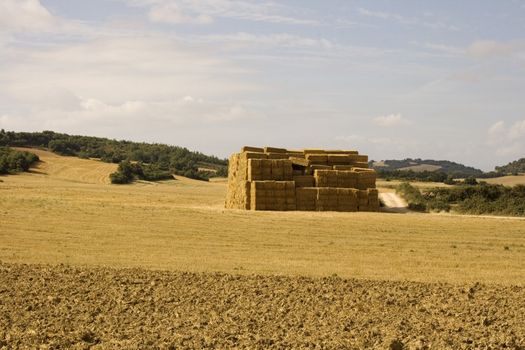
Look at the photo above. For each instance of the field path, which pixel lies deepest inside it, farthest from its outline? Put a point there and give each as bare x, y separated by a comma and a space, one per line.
393, 202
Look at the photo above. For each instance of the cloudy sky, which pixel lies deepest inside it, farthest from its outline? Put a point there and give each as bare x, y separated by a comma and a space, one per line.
394, 79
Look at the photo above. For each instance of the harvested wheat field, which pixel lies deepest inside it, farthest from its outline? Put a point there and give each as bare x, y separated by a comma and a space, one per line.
510, 180
205, 276
71, 168
88, 308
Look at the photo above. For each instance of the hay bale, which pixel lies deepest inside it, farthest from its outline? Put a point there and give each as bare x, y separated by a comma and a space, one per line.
295, 154
312, 168
331, 151
313, 151
275, 150
343, 167
254, 170
304, 181
252, 149
373, 199
266, 169
347, 199
336, 159
317, 158
277, 155
358, 158
366, 179
360, 164
325, 178
258, 195
287, 171
253, 155
306, 198
300, 161
326, 199
271, 181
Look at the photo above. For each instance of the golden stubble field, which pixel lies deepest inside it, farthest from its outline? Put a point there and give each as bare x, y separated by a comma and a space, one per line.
65, 212
88, 265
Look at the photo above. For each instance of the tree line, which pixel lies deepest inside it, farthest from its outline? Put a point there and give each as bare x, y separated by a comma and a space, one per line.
155, 160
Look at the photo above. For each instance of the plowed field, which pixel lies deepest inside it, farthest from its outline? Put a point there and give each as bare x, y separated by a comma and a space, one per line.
66, 307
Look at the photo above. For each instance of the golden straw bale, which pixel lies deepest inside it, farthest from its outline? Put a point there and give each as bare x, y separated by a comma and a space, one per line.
335, 159
343, 167
306, 198
331, 151
275, 150
361, 158
252, 149
295, 154
277, 155
320, 167
304, 181
313, 151
253, 155
299, 161
360, 164
277, 170
317, 158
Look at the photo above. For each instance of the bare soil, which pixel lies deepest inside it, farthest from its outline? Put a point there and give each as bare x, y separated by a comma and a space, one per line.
64, 307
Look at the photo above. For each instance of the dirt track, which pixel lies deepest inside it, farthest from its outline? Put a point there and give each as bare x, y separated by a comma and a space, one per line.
67, 307
393, 202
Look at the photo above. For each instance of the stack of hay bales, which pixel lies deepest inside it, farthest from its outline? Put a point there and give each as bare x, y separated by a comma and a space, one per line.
273, 178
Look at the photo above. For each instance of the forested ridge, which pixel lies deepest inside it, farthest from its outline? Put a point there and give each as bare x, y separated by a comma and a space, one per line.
152, 161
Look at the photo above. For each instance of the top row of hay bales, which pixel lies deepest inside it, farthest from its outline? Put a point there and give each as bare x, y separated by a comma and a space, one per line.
256, 173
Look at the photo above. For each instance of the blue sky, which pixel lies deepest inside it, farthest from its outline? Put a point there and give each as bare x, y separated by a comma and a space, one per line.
393, 79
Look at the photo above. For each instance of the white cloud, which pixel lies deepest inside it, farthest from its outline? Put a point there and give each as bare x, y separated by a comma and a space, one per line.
171, 13
203, 11
490, 48
496, 132
25, 15
517, 131
241, 39
452, 50
391, 120
507, 140
425, 22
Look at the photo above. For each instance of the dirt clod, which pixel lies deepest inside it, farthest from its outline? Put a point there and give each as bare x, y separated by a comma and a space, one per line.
103, 308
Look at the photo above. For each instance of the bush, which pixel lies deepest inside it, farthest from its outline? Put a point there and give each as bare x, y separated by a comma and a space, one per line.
119, 178
477, 199
413, 196
12, 161
128, 172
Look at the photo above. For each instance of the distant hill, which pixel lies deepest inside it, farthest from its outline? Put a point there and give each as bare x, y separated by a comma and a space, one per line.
425, 165
155, 160
515, 167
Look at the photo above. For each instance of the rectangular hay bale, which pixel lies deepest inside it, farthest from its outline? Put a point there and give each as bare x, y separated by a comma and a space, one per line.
275, 150
252, 149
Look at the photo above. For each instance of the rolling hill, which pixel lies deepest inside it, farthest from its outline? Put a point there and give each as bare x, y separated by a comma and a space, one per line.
156, 158
421, 165
515, 167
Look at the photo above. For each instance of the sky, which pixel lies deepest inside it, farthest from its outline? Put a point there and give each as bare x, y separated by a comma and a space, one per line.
393, 79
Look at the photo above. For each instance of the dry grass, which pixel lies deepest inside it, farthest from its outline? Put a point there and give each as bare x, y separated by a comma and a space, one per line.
422, 167
181, 225
507, 180
72, 168
392, 184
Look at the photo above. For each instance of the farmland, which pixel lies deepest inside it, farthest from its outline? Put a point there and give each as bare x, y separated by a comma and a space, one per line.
66, 219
